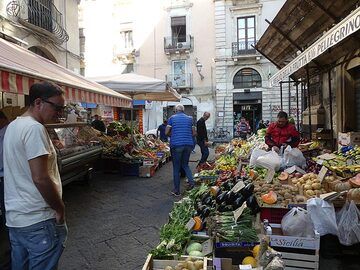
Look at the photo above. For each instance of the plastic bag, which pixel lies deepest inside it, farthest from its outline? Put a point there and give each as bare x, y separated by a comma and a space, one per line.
255, 154
297, 222
276, 264
271, 160
349, 225
268, 256
323, 216
293, 156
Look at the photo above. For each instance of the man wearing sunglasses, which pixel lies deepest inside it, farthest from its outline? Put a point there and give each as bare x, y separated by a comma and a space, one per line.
35, 211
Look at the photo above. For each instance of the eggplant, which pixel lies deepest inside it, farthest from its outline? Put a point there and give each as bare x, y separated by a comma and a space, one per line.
230, 197
206, 212
248, 190
205, 196
208, 201
239, 201
222, 207
221, 197
252, 203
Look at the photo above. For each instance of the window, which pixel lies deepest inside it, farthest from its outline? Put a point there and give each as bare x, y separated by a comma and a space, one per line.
179, 73
247, 78
40, 14
127, 39
178, 29
246, 33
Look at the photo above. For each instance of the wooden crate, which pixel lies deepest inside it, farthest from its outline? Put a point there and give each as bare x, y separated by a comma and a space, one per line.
153, 264
297, 252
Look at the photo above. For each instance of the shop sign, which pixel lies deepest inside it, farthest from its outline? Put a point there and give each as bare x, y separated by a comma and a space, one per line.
292, 242
338, 33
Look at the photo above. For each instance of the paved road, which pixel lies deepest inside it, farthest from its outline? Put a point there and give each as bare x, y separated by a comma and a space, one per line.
114, 223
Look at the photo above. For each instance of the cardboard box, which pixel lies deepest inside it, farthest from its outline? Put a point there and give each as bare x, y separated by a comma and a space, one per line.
146, 171
349, 138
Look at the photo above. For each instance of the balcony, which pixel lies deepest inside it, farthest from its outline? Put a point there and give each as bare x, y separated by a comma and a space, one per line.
178, 44
180, 82
243, 48
41, 16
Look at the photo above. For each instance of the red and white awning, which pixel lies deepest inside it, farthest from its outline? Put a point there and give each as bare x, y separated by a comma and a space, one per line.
20, 68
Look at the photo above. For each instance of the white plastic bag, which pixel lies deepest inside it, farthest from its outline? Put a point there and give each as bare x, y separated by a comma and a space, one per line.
255, 154
271, 160
297, 222
323, 216
293, 156
349, 225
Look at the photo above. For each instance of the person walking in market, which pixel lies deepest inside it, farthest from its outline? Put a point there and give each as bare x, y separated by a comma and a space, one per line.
5, 251
243, 128
282, 133
161, 131
202, 138
181, 132
35, 211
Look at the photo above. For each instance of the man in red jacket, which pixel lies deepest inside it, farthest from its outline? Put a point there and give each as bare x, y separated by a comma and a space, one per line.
282, 133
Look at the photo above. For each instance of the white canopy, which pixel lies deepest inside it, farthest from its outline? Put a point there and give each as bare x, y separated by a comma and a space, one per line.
139, 87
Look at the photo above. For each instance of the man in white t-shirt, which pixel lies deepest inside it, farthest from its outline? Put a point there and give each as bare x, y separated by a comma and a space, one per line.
35, 212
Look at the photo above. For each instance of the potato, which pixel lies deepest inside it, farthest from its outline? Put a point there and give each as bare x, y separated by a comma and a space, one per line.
199, 264
294, 181
316, 186
308, 182
168, 268
310, 193
288, 196
307, 187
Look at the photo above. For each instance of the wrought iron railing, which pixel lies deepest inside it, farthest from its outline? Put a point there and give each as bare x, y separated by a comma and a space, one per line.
178, 43
40, 13
179, 81
243, 48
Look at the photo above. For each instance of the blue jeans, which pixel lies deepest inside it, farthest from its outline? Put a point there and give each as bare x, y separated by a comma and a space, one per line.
204, 151
38, 246
180, 159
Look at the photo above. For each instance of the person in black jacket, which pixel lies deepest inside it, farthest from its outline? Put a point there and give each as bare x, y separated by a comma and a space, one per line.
202, 138
98, 124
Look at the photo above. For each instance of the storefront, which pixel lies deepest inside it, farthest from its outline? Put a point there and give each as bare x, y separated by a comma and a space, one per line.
318, 48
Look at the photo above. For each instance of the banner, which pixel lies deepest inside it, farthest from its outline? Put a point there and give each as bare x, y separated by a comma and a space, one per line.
342, 30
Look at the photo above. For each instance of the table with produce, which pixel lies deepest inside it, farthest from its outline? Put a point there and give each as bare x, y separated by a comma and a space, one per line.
222, 215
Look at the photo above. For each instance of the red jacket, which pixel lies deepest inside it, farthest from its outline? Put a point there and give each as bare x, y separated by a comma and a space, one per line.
276, 136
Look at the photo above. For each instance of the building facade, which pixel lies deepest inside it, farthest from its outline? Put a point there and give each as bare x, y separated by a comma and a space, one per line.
242, 73
48, 28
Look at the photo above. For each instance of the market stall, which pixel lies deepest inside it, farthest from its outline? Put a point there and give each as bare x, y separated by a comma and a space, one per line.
257, 209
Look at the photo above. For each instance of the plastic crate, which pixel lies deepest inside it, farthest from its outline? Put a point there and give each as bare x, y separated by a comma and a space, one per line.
273, 215
130, 169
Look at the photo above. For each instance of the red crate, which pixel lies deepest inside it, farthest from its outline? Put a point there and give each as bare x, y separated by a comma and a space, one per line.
273, 215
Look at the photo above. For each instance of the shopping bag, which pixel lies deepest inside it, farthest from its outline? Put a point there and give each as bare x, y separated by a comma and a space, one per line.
254, 156
322, 216
349, 225
293, 156
271, 160
297, 222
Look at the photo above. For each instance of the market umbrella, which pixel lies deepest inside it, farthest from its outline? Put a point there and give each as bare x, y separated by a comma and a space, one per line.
139, 87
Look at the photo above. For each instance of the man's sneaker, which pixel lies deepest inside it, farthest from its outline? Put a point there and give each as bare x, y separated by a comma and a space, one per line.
176, 194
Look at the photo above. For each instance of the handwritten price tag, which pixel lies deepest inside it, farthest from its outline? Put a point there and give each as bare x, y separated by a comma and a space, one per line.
322, 173
190, 224
269, 176
239, 211
239, 186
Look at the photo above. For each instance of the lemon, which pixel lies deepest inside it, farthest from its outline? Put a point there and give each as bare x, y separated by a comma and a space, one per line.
256, 250
249, 260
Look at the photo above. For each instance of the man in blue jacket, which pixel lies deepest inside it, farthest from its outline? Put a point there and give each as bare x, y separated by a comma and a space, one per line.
181, 132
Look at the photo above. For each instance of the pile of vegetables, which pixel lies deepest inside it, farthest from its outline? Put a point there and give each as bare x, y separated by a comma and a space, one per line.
189, 264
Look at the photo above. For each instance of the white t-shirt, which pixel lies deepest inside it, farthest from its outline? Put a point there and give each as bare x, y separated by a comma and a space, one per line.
26, 139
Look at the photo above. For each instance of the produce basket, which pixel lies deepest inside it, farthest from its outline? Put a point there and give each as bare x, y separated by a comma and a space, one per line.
154, 264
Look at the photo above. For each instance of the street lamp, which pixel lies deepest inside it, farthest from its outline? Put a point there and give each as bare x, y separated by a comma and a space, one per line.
198, 68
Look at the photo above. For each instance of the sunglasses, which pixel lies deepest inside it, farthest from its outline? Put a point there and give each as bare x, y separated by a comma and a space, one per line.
56, 107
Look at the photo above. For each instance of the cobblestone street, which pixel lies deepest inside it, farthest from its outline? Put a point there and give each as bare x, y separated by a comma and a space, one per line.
114, 223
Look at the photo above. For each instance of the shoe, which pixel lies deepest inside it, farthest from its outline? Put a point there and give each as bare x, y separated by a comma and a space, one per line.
176, 194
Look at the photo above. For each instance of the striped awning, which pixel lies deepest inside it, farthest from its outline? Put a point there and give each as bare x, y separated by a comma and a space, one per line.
20, 68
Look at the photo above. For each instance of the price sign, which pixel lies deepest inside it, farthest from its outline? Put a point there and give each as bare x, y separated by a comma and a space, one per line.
190, 224
239, 186
207, 247
322, 173
239, 211
269, 176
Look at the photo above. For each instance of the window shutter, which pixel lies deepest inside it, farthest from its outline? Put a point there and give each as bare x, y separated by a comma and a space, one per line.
175, 21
